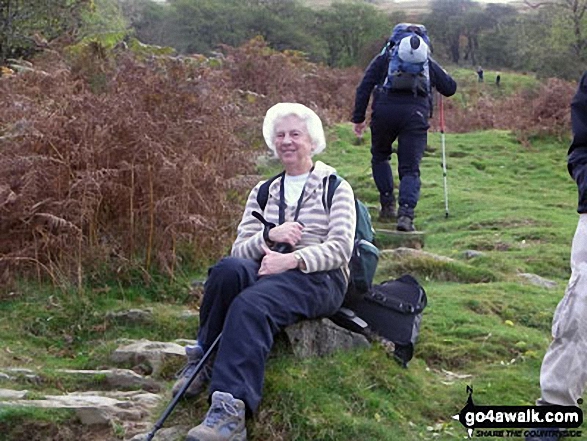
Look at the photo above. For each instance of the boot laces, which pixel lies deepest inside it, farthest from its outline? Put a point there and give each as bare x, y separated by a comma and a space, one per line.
218, 411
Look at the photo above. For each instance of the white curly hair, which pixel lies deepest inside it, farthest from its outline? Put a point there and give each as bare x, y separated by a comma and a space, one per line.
313, 124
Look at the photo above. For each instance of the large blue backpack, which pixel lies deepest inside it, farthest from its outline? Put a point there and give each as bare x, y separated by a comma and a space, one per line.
408, 52
365, 254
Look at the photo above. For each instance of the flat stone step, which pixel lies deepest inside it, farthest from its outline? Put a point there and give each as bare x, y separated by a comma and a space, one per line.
390, 239
93, 408
113, 379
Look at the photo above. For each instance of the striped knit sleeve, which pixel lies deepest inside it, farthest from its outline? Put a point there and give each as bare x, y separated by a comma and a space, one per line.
335, 252
249, 239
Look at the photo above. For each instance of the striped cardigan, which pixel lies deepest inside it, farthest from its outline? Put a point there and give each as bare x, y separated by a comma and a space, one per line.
327, 239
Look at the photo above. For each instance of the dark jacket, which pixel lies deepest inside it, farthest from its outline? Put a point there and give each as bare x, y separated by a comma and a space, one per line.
375, 75
577, 156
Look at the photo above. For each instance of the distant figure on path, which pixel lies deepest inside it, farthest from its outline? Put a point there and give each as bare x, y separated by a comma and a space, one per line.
480, 74
563, 375
401, 78
498, 79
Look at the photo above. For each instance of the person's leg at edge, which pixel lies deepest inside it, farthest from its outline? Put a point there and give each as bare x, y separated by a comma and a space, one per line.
563, 374
253, 319
411, 145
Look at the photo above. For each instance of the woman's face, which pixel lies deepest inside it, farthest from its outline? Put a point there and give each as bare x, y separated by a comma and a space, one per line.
293, 144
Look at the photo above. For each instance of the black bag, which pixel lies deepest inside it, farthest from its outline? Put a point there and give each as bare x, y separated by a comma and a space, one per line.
393, 310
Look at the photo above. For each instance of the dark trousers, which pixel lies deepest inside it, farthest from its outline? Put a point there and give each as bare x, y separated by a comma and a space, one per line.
408, 123
249, 310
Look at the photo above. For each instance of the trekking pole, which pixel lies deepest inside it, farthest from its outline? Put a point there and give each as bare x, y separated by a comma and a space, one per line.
181, 392
444, 174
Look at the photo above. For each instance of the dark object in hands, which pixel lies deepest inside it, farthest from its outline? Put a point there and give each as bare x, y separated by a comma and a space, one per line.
282, 247
279, 247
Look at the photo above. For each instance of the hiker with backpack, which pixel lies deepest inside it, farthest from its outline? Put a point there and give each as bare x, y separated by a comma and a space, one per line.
480, 74
401, 79
563, 375
258, 291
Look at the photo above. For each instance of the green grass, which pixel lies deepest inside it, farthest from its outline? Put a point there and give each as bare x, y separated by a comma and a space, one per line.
515, 204
511, 82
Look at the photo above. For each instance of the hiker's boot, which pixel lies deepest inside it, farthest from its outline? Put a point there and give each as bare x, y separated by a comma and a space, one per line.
404, 223
225, 420
387, 213
543, 434
405, 220
198, 385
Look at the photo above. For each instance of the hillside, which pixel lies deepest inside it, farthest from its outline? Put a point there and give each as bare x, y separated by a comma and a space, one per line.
133, 139
485, 326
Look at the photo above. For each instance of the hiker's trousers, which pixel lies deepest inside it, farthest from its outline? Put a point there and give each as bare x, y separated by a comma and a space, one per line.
563, 375
407, 121
249, 310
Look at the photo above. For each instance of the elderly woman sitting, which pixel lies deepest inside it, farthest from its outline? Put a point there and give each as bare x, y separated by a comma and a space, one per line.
256, 292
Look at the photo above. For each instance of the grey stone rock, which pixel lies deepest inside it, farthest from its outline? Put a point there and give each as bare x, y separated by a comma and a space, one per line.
12, 373
9, 394
150, 353
310, 338
98, 408
471, 254
411, 253
122, 379
535, 279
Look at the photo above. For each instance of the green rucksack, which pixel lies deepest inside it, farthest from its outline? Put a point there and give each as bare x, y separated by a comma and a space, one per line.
365, 254
365, 257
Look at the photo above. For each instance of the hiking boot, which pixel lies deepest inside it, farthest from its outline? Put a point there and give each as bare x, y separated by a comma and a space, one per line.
405, 223
387, 213
225, 420
194, 355
543, 434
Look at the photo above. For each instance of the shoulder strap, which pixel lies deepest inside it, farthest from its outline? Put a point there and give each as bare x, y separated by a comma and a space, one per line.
263, 194
333, 182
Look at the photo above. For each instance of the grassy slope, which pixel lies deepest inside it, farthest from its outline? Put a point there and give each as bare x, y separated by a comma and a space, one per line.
516, 204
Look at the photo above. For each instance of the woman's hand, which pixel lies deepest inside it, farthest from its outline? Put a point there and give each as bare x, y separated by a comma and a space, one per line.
288, 232
275, 263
